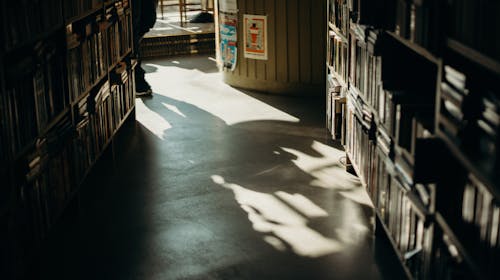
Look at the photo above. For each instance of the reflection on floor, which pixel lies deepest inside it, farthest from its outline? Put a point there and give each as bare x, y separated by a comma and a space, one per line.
217, 183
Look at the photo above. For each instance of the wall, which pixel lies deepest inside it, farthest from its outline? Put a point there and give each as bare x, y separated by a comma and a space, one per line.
296, 43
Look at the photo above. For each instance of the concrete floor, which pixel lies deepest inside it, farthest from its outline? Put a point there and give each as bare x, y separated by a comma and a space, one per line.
215, 183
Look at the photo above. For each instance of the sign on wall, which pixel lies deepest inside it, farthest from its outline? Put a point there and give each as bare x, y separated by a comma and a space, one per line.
228, 40
255, 33
228, 33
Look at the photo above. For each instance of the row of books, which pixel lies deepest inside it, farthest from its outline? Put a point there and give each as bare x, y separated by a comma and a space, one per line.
59, 161
337, 61
406, 209
388, 117
481, 216
100, 43
49, 89
338, 15
470, 116
119, 32
476, 24
470, 214
122, 89
400, 207
124, 26
337, 56
48, 81
177, 45
48, 179
366, 66
98, 117
360, 135
409, 225
420, 22
445, 225
336, 110
34, 96
26, 20
447, 262
86, 56
395, 114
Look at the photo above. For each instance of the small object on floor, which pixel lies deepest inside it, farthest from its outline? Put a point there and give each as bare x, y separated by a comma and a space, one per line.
202, 17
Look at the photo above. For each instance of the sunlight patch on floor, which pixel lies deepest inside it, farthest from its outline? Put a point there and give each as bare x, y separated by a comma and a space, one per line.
302, 204
151, 120
208, 92
329, 173
174, 109
283, 225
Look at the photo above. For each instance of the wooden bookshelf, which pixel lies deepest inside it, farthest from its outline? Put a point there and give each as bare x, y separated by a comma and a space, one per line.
337, 77
55, 120
36, 38
381, 225
68, 133
384, 146
387, 235
337, 32
474, 56
491, 181
84, 15
415, 47
456, 242
79, 184
85, 93
120, 60
356, 168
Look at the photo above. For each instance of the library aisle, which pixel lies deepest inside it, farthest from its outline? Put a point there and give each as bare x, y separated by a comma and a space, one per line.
216, 183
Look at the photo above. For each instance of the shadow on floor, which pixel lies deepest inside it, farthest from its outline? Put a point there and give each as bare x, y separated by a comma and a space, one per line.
197, 198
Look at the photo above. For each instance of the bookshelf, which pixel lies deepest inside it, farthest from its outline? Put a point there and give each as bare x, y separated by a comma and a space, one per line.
415, 47
473, 55
419, 117
67, 87
337, 69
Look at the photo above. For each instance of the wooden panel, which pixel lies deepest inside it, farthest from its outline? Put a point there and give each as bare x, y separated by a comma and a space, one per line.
305, 30
260, 69
270, 7
242, 62
296, 46
318, 16
293, 40
281, 41
250, 9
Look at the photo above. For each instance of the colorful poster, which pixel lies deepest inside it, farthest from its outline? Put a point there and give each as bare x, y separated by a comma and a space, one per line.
255, 30
228, 40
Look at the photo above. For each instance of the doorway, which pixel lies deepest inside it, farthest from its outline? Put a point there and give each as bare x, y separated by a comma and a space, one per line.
183, 27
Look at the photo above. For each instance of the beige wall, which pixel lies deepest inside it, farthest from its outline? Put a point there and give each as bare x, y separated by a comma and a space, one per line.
296, 43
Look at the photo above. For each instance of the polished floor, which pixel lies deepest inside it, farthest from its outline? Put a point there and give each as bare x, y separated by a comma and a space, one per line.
212, 182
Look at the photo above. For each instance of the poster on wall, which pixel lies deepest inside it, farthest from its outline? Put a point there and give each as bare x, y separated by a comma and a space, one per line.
228, 40
255, 33
228, 6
